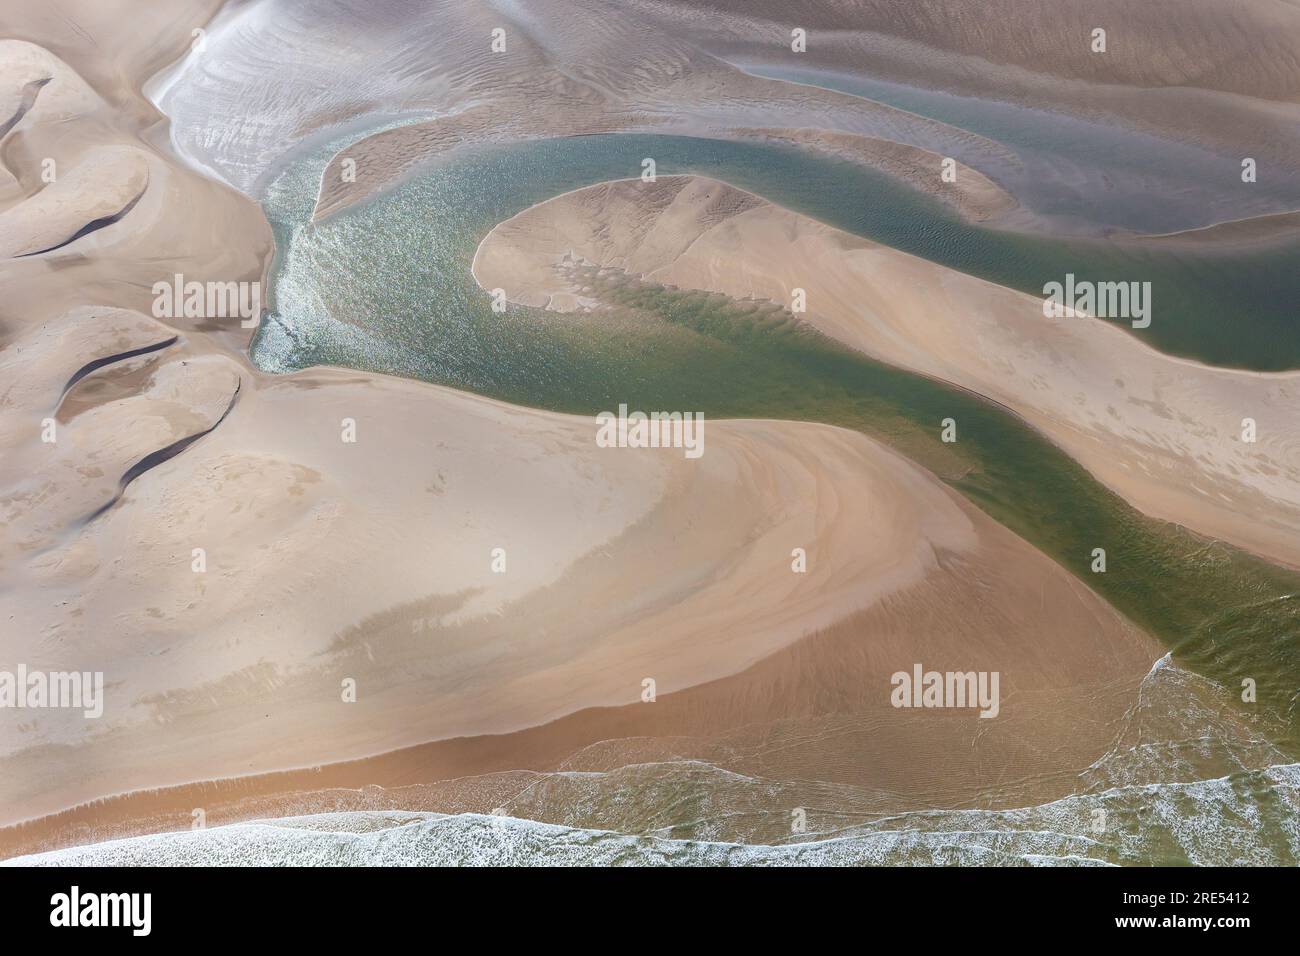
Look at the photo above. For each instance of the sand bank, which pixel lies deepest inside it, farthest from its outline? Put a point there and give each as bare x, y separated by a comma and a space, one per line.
973, 195
325, 560
618, 74
1163, 432
671, 67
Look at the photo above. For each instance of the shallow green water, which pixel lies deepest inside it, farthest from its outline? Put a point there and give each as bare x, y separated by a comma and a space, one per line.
1235, 310
387, 287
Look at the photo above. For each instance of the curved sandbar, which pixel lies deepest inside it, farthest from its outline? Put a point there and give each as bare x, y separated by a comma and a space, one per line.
1165, 433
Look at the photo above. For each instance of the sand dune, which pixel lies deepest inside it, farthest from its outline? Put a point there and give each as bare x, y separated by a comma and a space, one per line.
96, 213
102, 188
1163, 432
116, 45
40, 85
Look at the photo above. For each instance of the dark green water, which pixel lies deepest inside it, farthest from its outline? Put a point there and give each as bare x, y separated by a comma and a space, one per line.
387, 287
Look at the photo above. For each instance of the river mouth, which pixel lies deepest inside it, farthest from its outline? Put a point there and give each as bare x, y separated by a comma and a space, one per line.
386, 286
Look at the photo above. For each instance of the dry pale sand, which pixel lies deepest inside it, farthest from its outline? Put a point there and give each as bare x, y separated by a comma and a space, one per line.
105, 185
1165, 433
116, 44
81, 163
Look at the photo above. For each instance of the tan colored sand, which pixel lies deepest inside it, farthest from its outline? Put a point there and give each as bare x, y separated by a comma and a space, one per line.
105, 183
809, 726
371, 561
39, 84
115, 45
1163, 432
98, 144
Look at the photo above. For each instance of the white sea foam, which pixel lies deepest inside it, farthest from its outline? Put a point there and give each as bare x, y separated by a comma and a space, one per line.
1188, 781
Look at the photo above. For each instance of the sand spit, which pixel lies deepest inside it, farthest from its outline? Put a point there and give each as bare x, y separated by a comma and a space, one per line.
1163, 432
324, 560
972, 194
1234, 235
